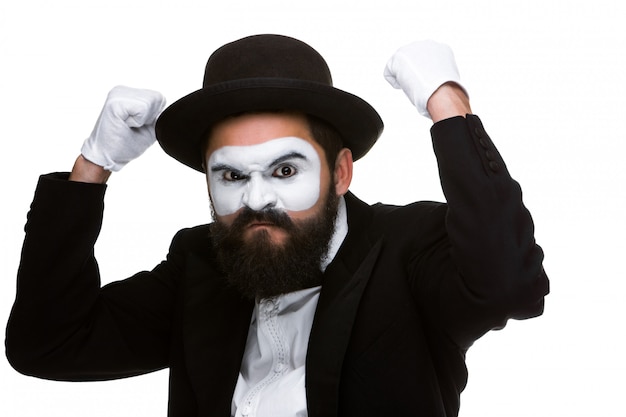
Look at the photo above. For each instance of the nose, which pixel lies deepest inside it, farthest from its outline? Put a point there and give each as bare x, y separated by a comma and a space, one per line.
259, 195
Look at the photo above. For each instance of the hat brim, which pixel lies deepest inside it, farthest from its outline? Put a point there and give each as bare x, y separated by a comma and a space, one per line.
183, 126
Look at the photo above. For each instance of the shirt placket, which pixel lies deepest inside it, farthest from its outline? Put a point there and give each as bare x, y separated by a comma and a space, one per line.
269, 324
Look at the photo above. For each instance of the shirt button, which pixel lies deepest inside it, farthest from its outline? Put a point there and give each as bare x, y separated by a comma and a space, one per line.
246, 410
279, 367
269, 306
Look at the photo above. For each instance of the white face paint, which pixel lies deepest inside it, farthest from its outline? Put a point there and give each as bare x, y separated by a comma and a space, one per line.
282, 173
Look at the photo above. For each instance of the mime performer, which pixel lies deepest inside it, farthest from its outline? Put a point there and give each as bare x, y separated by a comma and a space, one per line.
298, 299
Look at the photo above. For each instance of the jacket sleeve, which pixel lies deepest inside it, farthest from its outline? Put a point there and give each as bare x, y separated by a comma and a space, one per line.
488, 269
63, 325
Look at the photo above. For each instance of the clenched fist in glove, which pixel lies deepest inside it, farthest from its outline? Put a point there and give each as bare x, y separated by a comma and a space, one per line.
419, 69
125, 128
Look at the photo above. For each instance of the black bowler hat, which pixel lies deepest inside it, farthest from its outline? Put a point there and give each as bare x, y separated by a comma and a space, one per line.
264, 72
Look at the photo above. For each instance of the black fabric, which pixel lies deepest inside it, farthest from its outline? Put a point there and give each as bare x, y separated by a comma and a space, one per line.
411, 288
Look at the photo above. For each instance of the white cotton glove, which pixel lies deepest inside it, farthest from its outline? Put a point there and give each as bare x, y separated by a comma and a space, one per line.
125, 128
419, 69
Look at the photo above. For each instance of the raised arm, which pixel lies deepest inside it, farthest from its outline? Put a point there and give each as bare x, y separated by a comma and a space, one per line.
62, 326
488, 268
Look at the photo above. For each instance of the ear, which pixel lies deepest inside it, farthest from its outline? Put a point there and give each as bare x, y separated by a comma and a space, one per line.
343, 171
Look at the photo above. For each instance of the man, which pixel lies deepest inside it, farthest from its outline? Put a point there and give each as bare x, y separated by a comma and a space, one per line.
299, 299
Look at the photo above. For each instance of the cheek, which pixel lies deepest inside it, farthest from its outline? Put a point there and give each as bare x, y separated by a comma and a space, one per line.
299, 195
226, 199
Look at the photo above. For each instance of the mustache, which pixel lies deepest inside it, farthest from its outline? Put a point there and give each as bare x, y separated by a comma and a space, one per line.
275, 217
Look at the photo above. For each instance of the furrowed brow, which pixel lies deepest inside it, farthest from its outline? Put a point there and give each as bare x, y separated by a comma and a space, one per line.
291, 155
222, 167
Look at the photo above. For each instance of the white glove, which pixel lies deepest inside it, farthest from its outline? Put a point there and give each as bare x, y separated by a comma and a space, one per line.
419, 69
125, 128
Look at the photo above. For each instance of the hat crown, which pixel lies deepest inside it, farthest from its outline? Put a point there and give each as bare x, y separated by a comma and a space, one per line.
266, 56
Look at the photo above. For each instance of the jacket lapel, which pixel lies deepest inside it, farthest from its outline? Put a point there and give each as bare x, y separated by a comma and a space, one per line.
343, 285
215, 328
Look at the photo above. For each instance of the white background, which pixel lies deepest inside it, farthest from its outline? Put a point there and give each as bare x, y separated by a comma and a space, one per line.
545, 76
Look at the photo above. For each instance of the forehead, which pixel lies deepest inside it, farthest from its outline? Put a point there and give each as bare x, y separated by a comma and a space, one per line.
256, 128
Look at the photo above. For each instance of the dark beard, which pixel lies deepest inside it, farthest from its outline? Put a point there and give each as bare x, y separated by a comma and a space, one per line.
261, 268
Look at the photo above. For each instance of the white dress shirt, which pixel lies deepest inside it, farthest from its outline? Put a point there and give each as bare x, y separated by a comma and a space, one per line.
272, 377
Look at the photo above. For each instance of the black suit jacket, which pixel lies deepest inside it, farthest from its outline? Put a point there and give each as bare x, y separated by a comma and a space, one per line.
409, 291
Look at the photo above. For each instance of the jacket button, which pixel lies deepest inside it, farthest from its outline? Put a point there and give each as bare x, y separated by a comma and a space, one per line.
483, 143
494, 166
479, 132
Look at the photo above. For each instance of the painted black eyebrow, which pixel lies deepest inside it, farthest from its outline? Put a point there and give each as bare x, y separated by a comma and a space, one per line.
291, 155
222, 167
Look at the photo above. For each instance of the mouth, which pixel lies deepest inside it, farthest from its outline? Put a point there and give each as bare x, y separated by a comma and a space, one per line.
255, 225
275, 232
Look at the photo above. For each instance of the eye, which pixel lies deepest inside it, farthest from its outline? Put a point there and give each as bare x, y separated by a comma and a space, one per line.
284, 171
234, 176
